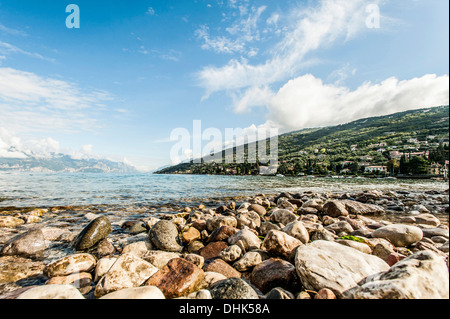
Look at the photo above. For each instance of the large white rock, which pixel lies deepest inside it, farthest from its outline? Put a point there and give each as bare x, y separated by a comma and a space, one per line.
146, 292
423, 275
399, 235
326, 264
52, 292
127, 272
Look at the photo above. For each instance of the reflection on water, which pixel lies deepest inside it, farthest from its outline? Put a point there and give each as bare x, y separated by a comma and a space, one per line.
23, 189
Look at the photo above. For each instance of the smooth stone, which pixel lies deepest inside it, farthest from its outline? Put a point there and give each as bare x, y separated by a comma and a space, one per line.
250, 240
297, 230
211, 278
431, 232
325, 264
213, 250
221, 267
258, 209
423, 275
200, 295
13, 268
279, 293
273, 273
103, 266
164, 236
79, 280
177, 279
139, 248
93, 233
325, 293
147, 292
134, 227
70, 264
29, 244
128, 271
280, 244
250, 260
399, 235
222, 233
233, 288
283, 216
52, 292
266, 227
190, 234
10, 222
218, 221
334, 208
249, 219
159, 258
364, 248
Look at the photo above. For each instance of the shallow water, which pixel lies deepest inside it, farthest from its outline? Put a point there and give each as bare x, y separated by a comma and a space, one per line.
24, 189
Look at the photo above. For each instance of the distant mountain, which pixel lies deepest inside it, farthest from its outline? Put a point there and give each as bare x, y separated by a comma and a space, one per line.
63, 163
375, 141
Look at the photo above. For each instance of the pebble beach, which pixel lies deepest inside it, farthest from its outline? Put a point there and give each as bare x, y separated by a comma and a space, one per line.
308, 245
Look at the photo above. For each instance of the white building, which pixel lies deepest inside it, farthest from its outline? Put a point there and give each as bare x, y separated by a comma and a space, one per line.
374, 169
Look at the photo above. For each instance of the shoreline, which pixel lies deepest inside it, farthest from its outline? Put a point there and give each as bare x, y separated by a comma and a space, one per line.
224, 238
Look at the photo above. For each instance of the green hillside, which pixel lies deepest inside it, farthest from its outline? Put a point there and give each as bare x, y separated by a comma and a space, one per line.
410, 142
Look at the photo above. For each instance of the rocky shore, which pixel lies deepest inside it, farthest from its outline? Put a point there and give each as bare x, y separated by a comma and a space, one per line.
366, 245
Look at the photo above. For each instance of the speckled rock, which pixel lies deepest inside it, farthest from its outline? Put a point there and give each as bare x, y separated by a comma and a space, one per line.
178, 278
127, 272
164, 236
10, 221
233, 288
70, 264
423, 275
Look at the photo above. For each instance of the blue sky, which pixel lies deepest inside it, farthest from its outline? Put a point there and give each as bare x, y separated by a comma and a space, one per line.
135, 71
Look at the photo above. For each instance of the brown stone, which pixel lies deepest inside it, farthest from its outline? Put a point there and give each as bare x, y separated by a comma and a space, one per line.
221, 267
213, 249
394, 258
177, 279
199, 224
280, 244
273, 273
325, 293
13, 268
257, 208
334, 208
222, 233
191, 234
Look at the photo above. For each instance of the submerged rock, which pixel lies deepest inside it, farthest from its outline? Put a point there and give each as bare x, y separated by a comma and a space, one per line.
29, 244
93, 233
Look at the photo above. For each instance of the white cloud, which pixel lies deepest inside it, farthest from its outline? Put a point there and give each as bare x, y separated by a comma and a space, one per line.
29, 102
151, 11
7, 48
306, 30
239, 34
307, 102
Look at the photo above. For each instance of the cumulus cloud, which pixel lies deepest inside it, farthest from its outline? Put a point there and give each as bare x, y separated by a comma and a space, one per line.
29, 102
307, 30
307, 102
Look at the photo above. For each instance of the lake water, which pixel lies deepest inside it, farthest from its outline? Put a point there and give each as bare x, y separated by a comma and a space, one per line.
23, 189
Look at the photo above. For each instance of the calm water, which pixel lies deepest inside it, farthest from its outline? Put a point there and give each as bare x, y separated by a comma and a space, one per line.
22, 189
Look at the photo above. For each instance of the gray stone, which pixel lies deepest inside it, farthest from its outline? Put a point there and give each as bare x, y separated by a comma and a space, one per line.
423, 275
233, 288
297, 230
325, 264
399, 235
164, 236
29, 244
283, 216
